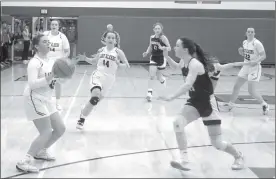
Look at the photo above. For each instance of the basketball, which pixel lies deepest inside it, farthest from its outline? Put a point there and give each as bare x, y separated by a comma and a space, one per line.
63, 68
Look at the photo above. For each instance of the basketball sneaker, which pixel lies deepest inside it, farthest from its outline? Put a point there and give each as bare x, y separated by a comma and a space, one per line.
183, 163
58, 106
265, 109
238, 163
44, 155
164, 83
80, 123
25, 165
227, 107
149, 95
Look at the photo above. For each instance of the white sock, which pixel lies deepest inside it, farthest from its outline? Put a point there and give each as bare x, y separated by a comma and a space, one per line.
183, 151
184, 155
82, 116
150, 91
28, 157
57, 101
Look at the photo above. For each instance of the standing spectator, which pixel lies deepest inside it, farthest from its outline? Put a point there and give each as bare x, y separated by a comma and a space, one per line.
5, 42
72, 38
110, 29
26, 37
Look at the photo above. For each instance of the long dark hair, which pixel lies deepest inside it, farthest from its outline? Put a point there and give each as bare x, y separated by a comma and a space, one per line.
195, 49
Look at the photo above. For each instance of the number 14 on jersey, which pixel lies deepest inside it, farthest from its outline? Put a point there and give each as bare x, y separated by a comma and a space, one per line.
106, 63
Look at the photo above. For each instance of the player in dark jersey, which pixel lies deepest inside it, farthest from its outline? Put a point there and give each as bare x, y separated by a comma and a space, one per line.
200, 87
158, 43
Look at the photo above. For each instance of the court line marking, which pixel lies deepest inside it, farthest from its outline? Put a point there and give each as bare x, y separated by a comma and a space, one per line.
132, 97
180, 98
161, 134
135, 153
45, 164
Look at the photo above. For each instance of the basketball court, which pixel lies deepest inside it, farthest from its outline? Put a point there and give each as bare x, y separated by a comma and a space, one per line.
125, 136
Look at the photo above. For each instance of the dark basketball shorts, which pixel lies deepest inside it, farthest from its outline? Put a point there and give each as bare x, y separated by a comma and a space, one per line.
158, 61
207, 109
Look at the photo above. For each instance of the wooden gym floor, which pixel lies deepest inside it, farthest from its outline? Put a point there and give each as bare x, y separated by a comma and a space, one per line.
125, 136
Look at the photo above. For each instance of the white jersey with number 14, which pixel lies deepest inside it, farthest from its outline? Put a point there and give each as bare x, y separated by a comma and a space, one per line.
108, 61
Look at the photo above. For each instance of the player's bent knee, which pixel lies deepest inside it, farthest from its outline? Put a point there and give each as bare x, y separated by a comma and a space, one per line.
218, 143
94, 100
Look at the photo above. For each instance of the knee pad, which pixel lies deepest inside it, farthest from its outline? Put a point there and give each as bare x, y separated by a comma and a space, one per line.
95, 87
218, 143
94, 100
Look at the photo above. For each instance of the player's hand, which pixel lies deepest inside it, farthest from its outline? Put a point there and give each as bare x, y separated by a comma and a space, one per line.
124, 65
241, 51
75, 60
145, 54
49, 77
165, 98
81, 57
94, 55
160, 47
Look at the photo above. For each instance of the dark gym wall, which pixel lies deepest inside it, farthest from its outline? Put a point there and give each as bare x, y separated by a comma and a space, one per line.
136, 12
220, 37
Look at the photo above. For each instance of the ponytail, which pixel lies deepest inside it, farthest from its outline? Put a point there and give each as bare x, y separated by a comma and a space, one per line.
201, 55
204, 58
195, 50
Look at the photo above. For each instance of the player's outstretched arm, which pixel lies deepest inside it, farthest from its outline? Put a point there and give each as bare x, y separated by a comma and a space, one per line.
83, 57
166, 42
148, 50
123, 58
221, 67
173, 64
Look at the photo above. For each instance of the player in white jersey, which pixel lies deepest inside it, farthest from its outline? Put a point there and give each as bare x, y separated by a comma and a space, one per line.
103, 77
39, 106
59, 48
254, 53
